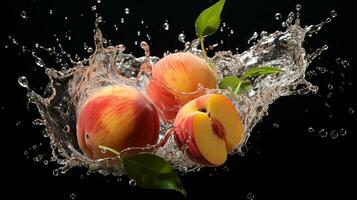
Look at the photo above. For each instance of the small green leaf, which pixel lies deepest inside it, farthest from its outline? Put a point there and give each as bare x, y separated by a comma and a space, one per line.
244, 87
259, 71
207, 23
229, 81
152, 172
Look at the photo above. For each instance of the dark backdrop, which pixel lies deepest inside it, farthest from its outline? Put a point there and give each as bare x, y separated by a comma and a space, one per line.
286, 162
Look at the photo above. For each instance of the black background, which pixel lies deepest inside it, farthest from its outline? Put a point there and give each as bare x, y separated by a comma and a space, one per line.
281, 163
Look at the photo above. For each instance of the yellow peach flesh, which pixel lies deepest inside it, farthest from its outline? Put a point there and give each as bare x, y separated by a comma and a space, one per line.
224, 111
212, 147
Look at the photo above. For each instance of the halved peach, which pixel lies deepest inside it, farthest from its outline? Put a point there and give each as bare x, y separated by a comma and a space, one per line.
208, 128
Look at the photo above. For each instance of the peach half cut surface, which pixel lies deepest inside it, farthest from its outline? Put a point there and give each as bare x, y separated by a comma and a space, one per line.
175, 81
207, 128
117, 117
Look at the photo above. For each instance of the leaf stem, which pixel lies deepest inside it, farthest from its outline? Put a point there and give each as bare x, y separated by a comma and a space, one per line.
204, 52
202, 39
109, 149
238, 87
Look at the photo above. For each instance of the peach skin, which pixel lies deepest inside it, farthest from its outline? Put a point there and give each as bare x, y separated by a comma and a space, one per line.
117, 117
175, 81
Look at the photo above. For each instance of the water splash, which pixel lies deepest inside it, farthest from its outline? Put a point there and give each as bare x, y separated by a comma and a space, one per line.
69, 88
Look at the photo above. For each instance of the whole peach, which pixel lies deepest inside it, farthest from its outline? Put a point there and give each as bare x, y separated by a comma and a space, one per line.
117, 117
175, 81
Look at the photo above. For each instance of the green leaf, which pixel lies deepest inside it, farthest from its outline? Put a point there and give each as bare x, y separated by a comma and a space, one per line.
207, 23
152, 172
244, 87
239, 86
229, 81
260, 71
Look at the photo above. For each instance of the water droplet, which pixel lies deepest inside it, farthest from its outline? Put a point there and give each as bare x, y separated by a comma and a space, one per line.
138, 33
334, 134
343, 132
94, 8
67, 129
311, 130
181, 37
127, 11
166, 26
38, 158
122, 20
65, 18
323, 133
14, 41
263, 34
276, 125
351, 110
132, 182
283, 24
55, 172
18, 123
45, 133
244, 149
103, 151
333, 13
235, 150
39, 62
322, 70
291, 17
232, 31
72, 196
26, 153
345, 64
298, 7
278, 16
51, 12
327, 105
45, 162
24, 15
98, 1
338, 61
224, 24
121, 48
99, 19
328, 20
90, 50
63, 170
226, 169
23, 81
250, 196
330, 86
116, 27
38, 122
211, 47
